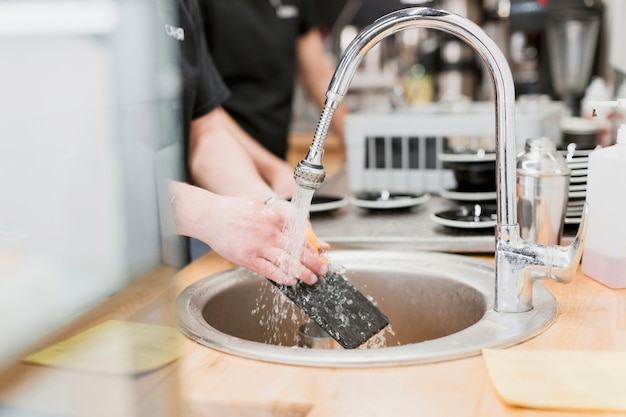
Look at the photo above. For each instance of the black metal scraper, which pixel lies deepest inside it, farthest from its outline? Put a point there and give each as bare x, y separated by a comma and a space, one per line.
338, 308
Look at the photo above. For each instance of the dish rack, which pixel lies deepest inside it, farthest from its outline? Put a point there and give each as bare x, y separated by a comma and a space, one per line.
399, 150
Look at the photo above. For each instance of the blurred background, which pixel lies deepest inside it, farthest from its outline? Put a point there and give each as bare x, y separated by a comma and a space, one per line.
541, 38
562, 55
88, 127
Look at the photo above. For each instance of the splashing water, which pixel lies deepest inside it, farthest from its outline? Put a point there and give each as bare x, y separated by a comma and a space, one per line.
281, 308
379, 340
272, 309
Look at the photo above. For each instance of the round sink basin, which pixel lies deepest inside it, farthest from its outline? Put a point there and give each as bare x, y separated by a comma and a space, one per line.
440, 307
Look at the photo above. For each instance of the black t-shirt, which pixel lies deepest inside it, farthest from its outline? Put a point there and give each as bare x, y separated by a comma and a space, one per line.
202, 87
253, 43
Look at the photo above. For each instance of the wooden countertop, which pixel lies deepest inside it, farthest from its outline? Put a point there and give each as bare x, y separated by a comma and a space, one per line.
204, 382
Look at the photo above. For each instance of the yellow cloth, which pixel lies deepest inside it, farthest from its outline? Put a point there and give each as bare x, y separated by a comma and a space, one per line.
559, 380
113, 347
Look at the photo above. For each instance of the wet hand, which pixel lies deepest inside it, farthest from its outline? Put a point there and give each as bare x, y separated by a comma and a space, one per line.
251, 234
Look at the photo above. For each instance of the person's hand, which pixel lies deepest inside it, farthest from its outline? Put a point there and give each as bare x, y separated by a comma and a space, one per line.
250, 234
288, 210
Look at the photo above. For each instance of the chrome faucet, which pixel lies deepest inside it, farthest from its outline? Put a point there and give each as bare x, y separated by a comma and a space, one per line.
517, 263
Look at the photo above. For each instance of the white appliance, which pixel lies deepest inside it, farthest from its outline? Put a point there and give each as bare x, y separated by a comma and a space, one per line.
398, 150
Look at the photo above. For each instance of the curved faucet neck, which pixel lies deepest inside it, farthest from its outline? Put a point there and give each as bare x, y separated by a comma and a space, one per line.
494, 60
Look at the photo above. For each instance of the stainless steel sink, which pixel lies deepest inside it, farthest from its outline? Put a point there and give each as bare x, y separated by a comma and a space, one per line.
440, 307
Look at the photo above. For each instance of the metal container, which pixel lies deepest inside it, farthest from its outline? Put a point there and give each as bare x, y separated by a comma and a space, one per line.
311, 335
542, 191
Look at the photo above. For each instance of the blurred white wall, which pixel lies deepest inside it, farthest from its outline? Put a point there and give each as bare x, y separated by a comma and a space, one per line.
87, 112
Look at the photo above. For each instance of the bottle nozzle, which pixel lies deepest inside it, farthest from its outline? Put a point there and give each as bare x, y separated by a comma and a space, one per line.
619, 103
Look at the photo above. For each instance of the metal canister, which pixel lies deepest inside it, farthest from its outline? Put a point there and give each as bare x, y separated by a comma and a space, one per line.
542, 191
311, 335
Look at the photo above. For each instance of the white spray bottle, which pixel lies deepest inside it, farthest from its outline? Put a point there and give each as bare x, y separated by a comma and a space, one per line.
604, 254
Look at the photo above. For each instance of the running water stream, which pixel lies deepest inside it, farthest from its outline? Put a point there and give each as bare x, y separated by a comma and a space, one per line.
294, 228
281, 308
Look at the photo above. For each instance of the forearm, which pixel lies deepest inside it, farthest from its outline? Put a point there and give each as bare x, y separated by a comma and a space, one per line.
219, 163
189, 206
269, 165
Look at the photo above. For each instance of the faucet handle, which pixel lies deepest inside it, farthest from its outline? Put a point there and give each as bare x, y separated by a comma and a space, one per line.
521, 263
566, 259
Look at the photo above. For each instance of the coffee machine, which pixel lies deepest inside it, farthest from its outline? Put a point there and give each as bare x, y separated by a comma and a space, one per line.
555, 47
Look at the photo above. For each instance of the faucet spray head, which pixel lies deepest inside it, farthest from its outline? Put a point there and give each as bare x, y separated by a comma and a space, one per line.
309, 175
